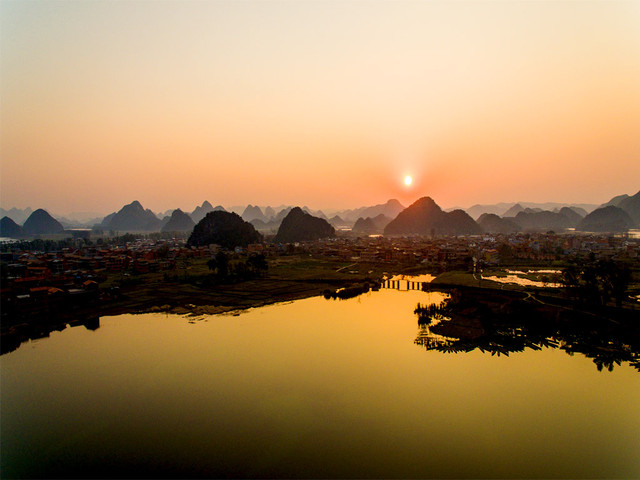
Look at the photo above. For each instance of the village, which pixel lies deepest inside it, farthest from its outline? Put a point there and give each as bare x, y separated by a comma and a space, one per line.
33, 278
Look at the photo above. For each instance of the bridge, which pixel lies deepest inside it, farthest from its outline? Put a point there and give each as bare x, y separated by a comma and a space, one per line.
403, 285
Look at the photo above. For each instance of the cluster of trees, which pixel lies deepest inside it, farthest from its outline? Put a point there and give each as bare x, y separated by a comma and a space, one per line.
597, 281
40, 245
254, 265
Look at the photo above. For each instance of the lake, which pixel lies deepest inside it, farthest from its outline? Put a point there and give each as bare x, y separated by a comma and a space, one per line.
313, 388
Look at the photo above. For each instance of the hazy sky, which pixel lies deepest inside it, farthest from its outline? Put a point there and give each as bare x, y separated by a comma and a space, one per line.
323, 103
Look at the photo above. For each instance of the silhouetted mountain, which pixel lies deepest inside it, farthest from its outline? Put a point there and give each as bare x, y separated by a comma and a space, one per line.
476, 211
545, 220
492, 223
270, 227
381, 221
606, 219
17, 215
179, 222
132, 218
165, 214
425, 217
283, 213
371, 225
315, 213
269, 212
389, 209
337, 222
574, 217
299, 226
580, 211
513, 211
615, 201
364, 225
459, 222
631, 205
41, 223
253, 213
9, 228
200, 211
223, 228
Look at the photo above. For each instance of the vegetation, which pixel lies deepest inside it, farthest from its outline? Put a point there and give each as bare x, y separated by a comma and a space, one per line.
225, 229
597, 281
299, 226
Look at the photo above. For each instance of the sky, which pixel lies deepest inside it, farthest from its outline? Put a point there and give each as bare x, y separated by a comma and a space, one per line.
328, 104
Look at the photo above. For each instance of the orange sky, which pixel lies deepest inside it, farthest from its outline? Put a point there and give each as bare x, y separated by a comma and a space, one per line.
324, 103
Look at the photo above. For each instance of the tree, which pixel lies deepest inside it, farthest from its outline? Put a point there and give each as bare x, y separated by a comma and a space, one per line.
258, 263
222, 263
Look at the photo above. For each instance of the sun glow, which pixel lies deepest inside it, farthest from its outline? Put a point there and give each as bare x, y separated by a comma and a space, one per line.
408, 180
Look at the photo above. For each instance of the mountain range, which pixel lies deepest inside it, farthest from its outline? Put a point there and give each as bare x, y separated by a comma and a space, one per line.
496, 218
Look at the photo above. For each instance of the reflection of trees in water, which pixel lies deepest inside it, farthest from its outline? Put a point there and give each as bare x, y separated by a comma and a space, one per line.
500, 325
14, 336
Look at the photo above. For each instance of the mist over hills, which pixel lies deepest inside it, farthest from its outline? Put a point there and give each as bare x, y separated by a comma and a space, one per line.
496, 218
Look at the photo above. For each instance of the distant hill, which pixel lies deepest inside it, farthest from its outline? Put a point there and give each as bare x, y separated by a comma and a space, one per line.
253, 213
545, 220
315, 213
282, 213
200, 211
9, 228
492, 223
513, 211
371, 225
223, 228
364, 225
179, 222
574, 217
389, 209
269, 227
631, 205
299, 226
580, 211
425, 217
337, 222
17, 215
41, 223
606, 219
132, 218
269, 212
497, 209
615, 201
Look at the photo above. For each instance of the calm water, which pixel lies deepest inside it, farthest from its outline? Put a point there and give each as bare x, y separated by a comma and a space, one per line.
313, 388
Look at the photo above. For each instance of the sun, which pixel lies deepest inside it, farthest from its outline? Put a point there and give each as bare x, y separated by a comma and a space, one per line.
408, 180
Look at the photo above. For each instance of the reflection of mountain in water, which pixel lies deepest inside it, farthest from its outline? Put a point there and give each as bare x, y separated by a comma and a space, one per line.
15, 335
500, 324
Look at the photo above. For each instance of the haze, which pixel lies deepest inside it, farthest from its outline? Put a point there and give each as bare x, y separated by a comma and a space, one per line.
326, 104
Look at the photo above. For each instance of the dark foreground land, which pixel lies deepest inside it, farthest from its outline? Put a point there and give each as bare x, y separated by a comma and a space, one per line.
196, 289
500, 322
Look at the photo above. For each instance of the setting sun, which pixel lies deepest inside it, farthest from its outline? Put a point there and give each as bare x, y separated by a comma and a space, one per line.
408, 180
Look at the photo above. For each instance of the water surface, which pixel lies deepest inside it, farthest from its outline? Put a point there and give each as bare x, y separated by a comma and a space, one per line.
313, 388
